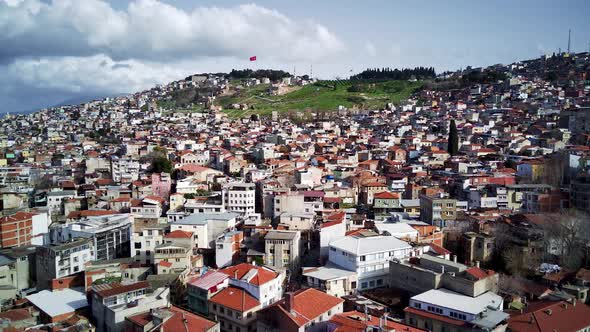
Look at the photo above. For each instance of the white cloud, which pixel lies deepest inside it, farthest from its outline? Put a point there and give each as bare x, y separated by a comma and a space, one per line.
93, 73
62, 47
370, 48
149, 29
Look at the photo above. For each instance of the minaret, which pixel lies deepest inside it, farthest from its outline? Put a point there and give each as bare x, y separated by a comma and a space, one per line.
569, 40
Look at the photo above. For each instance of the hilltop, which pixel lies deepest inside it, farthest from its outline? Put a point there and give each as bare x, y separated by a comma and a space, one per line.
319, 96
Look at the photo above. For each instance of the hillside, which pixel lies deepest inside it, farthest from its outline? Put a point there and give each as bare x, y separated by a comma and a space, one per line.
319, 96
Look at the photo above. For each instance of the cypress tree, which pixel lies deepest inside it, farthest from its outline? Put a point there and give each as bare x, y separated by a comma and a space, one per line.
453, 143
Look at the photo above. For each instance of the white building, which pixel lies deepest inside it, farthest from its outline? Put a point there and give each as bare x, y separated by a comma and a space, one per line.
40, 231
55, 200
483, 311
264, 284
111, 303
111, 234
368, 256
124, 170
62, 260
206, 227
144, 241
240, 197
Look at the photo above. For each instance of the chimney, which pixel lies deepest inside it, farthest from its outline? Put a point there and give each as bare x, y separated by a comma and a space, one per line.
477, 264
454, 258
290, 297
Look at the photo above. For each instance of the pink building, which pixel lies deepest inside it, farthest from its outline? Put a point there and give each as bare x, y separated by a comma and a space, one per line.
161, 184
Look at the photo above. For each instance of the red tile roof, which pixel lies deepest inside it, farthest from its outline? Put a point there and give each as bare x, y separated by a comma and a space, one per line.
235, 299
181, 320
551, 316
386, 195
478, 273
354, 321
165, 264
179, 234
19, 216
238, 271
15, 315
107, 290
311, 303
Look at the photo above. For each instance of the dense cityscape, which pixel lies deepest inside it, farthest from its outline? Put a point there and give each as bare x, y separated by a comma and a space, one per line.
391, 199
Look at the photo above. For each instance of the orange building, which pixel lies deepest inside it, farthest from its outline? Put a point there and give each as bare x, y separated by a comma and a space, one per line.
16, 230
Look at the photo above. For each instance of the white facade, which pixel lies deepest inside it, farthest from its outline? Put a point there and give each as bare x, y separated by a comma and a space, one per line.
144, 244
124, 170
206, 227
368, 256
240, 198
40, 231
457, 306
330, 233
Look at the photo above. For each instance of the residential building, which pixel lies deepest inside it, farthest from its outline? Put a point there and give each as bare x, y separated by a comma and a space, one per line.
331, 279
62, 260
549, 315
440, 310
110, 234
240, 197
437, 210
112, 303
305, 310
420, 274
17, 272
281, 249
227, 248
368, 256
200, 289
16, 230
169, 319
147, 235
206, 227
355, 321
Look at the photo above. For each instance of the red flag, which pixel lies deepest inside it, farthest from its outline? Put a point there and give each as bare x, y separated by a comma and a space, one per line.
253, 58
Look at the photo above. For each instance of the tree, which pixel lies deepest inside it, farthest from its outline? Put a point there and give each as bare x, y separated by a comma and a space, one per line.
161, 164
453, 143
566, 236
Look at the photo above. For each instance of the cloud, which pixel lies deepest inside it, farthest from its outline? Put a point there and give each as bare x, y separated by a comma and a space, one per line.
155, 31
94, 73
58, 48
370, 48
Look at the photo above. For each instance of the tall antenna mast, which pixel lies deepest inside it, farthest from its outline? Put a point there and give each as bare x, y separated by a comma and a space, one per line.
310, 71
569, 40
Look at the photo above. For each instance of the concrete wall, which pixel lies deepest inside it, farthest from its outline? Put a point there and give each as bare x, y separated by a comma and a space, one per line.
413, 279
468, 287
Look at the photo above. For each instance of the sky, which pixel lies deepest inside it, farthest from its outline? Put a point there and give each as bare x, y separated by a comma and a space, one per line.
56, 50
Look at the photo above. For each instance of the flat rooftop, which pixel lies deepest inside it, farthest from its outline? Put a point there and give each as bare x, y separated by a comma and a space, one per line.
59, 302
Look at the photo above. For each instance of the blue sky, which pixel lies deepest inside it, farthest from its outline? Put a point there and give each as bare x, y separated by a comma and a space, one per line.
60, 49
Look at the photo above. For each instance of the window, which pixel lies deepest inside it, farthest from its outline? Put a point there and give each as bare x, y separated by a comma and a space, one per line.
418, 305
362, 258
137, 245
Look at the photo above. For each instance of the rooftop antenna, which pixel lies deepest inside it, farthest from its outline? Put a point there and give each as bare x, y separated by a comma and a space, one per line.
569, 40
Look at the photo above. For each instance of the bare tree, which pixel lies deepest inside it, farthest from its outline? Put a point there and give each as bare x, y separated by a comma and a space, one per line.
567, 235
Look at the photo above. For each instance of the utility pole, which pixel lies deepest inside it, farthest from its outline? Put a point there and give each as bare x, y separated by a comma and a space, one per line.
310, 71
